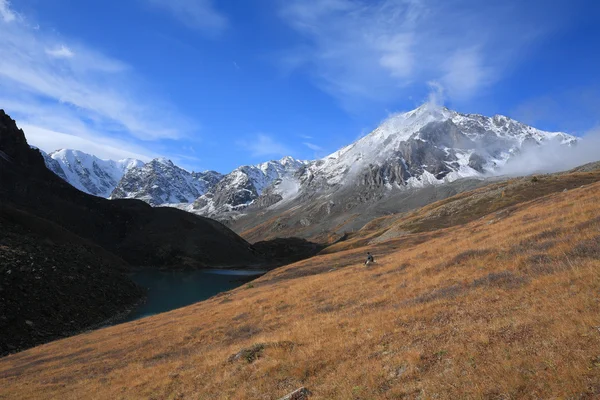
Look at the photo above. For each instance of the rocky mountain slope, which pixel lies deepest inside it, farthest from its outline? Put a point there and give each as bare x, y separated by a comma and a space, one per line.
53, 283
269, 182
88, 173
162, 182
412, 159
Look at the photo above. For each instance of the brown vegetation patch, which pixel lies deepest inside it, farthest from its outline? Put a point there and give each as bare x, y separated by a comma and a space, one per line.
465, 257
591, 223
541, 264
503, 279
589, 248
242, 332
439, 294
254, 352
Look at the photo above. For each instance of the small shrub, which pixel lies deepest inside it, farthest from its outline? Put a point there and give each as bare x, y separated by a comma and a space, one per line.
500, 279
242, 332
588, 248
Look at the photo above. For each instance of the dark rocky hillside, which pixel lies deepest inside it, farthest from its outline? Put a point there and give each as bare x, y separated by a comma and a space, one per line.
131, 229
54, 283
63, 253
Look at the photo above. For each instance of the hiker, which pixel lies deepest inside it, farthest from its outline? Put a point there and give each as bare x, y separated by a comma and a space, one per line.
370, 259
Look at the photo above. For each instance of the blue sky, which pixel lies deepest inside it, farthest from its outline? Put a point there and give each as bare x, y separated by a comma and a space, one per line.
214, 84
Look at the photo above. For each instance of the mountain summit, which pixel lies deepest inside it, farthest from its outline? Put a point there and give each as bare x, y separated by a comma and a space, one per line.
240, 188
433, 149
431, 144
88, 173
162, 182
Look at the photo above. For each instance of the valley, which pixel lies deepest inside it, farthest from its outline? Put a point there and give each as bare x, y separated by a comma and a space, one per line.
497, 304
483, 279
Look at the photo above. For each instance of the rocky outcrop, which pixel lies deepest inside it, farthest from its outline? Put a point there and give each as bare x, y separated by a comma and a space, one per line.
54, 284
265, 184
298, 394
162, 182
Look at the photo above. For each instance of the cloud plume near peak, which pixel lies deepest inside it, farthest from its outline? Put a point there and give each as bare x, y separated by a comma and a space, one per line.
370, 50
554, 156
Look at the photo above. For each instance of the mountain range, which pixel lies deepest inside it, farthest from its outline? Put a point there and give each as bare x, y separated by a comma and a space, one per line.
88, 173
162, 182
431, 149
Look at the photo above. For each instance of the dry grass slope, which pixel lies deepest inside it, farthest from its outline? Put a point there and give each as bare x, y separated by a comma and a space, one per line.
503, 306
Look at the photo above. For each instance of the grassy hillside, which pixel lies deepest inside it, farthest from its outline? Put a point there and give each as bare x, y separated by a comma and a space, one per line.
498, 304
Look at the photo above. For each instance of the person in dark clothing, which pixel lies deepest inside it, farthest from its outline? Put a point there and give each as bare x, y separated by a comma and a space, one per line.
370, 259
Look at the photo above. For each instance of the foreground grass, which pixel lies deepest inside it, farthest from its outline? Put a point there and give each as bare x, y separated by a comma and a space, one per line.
505, 306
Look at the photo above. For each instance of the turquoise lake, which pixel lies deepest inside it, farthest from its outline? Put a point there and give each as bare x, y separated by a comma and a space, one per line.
168, 290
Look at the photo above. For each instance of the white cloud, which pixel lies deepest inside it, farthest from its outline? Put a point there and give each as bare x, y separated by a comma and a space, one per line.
370, 50
466, 74
554, 156
264, 145
52, 127
56, 84
60, 52
49, 140
313, 146
5, 11
195, 14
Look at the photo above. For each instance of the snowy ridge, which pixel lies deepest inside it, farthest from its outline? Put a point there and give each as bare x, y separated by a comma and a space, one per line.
427, 146
88, 173
433, 145
240, 188
161, 182
430, 145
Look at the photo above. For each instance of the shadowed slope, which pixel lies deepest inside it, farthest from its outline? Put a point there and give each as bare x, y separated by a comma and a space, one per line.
129, 228
63, 252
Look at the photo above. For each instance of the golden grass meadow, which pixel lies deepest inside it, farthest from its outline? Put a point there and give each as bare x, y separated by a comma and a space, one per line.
497, 299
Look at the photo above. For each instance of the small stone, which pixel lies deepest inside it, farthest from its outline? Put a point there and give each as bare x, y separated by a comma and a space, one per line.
28, 322
298, 394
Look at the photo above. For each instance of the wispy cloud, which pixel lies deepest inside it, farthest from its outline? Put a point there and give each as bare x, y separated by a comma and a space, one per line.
359, 50
313, 146
56, 84
196, 14
60, 52
102, 147
52, 127
5, 11
264, 145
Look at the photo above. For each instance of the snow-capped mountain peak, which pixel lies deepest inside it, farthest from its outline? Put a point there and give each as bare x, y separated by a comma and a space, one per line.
89, 173
245, 184
161, 182
433, 140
